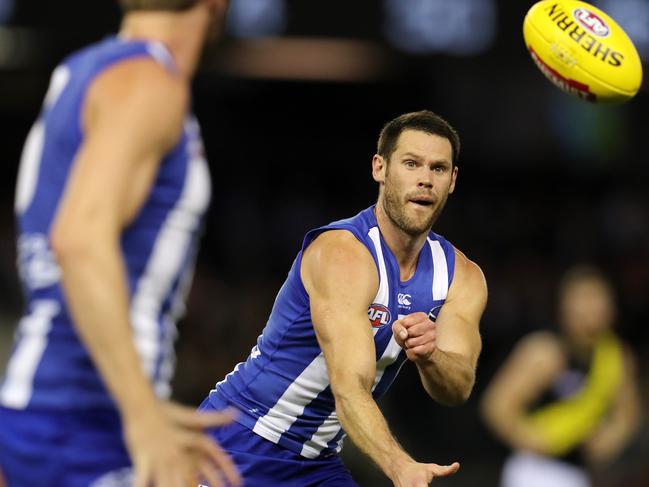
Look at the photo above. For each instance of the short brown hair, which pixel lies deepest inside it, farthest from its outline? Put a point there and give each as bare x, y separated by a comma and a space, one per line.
174, 5
582, 273
424, 121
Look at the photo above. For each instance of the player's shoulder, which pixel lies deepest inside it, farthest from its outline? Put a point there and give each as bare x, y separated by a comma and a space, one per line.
542, 347
141, 81
468, 273
337, 262
140, 96
338, 245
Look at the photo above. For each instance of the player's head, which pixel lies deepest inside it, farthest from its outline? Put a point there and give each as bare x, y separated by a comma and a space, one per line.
416, 168
173, 5
586, 304
423, 121
216, 8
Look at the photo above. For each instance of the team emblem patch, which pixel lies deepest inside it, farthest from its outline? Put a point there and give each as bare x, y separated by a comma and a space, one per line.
379, 315
433, 313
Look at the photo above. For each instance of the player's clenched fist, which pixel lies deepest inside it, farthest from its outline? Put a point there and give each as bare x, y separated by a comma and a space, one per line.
416, 334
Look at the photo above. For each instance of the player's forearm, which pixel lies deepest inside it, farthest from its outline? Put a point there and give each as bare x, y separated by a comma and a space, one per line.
447, 377
96, 294
363, 421
613, 435
513, 429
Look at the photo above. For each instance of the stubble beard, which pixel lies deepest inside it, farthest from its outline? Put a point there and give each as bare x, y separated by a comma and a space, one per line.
395, 209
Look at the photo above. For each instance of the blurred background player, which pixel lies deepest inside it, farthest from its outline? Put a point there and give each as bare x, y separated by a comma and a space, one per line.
566, 401
111, 191
364, 295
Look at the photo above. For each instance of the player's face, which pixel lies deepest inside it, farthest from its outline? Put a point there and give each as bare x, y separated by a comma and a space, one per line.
587, 311
416, 181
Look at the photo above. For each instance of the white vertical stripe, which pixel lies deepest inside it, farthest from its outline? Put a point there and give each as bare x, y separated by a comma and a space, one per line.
31, 157
331, 426
162, 385
18, 385
30, 163
304, 389
383, 296
440, 270
390, 354
168, 254
321, 438
177, 311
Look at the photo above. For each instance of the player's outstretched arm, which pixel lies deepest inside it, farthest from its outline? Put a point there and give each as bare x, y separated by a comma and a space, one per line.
529, 371
446, 351
133, 114
340, 277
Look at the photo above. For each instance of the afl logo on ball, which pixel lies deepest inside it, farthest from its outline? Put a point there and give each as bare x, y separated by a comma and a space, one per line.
591, 22
379, 315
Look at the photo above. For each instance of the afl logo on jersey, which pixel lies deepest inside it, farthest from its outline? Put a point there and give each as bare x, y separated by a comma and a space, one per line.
379, 315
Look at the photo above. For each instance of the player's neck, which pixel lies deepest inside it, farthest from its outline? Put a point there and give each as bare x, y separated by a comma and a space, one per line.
403, 246
183, 33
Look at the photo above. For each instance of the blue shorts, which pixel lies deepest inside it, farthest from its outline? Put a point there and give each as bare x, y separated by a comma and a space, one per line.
63, 449
262, 463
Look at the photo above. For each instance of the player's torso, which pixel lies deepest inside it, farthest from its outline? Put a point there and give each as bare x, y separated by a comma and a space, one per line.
567, 384
283, 388
49, 368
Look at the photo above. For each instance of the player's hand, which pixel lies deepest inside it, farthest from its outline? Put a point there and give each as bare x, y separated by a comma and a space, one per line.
413, 474
169, 448
416, 334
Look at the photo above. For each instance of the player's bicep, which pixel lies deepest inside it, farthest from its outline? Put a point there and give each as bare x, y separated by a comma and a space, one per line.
458, 322
340, 277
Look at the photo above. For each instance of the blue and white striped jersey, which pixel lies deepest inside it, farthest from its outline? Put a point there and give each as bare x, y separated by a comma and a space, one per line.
49, 367
283, 390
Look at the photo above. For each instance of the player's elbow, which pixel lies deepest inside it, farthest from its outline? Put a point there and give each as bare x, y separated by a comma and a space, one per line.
494, 411
349, 393
457, 391
457, 396
64, 245
71, 245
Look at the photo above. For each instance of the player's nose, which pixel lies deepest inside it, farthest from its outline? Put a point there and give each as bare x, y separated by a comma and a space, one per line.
425, 181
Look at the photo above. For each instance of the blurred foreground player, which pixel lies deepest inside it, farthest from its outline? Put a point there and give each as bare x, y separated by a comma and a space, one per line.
566, 401
111, 192
363, 295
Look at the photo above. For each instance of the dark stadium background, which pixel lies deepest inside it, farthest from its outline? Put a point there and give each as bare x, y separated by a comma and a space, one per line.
290, 107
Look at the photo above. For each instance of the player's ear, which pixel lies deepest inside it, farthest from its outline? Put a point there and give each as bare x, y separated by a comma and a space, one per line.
453, 179
217, 6
379, 166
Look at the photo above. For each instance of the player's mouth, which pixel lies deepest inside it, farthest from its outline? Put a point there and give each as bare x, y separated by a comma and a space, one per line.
422, 201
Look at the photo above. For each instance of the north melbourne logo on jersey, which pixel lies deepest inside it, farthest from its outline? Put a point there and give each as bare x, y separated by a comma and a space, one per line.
433, 313
379, 315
